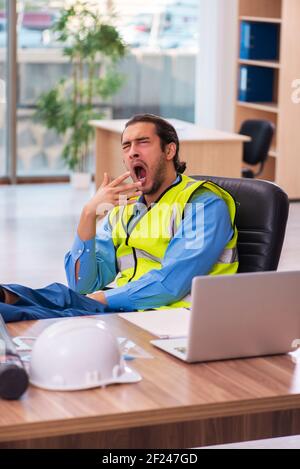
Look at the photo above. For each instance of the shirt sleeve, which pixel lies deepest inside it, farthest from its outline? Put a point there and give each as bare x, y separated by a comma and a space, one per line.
197, 245
97, 261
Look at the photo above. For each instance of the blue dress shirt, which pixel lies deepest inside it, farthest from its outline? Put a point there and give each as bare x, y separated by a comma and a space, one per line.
191, 252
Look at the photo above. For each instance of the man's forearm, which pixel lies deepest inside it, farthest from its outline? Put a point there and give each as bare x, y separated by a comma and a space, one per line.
87, 224
86, 230
90, 265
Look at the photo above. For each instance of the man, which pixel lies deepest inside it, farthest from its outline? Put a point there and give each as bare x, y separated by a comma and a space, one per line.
160, 231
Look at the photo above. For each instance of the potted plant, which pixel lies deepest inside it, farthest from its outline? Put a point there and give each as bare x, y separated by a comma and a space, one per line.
93, 46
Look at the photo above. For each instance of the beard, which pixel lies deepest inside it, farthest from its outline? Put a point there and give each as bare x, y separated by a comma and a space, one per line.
159, 173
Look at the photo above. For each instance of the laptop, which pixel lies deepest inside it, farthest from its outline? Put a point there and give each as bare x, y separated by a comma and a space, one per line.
243, 315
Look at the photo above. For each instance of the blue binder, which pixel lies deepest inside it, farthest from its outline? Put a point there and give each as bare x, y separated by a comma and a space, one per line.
256, 84
259, 41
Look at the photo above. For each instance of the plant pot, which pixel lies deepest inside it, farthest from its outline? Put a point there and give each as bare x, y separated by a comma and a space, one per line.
80, 180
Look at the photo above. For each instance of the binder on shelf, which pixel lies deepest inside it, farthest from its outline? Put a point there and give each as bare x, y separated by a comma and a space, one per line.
259, 41
256, 84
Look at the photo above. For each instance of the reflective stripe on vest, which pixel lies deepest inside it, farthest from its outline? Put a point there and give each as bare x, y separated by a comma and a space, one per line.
128, 261
228, 256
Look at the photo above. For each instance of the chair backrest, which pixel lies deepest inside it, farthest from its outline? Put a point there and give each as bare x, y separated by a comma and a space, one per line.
261, 133
262, 213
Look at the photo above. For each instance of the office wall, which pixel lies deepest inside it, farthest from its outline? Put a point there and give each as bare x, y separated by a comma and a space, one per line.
216, 63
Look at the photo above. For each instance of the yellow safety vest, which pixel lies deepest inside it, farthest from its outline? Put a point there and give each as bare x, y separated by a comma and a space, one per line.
143, 249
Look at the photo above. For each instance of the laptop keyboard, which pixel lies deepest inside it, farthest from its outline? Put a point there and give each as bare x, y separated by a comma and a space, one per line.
180, 350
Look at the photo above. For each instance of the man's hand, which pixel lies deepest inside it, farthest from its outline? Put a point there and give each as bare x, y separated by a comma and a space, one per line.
112, 194
98, 296
108, 195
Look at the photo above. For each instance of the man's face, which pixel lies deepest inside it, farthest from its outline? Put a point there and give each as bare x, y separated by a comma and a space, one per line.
143, 156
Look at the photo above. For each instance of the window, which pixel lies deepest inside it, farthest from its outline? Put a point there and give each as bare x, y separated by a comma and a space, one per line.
159, 70
160, 25
40, 66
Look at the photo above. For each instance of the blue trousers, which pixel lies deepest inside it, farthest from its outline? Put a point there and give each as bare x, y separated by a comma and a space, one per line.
54, 301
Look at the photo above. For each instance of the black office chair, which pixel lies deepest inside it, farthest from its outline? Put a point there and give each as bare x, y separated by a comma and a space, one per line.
262, 213
256, 151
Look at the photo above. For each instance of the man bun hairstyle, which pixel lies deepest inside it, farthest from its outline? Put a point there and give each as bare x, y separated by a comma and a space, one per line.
165, 132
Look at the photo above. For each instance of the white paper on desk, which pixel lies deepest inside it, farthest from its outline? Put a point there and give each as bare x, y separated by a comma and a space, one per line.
164, 323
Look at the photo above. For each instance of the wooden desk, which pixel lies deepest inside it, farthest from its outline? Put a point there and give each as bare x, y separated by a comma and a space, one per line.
208, 152
175, 404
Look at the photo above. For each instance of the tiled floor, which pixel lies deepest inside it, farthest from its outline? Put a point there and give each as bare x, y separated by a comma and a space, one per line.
38, 223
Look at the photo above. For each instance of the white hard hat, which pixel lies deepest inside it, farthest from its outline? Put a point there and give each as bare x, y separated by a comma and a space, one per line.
78, 353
